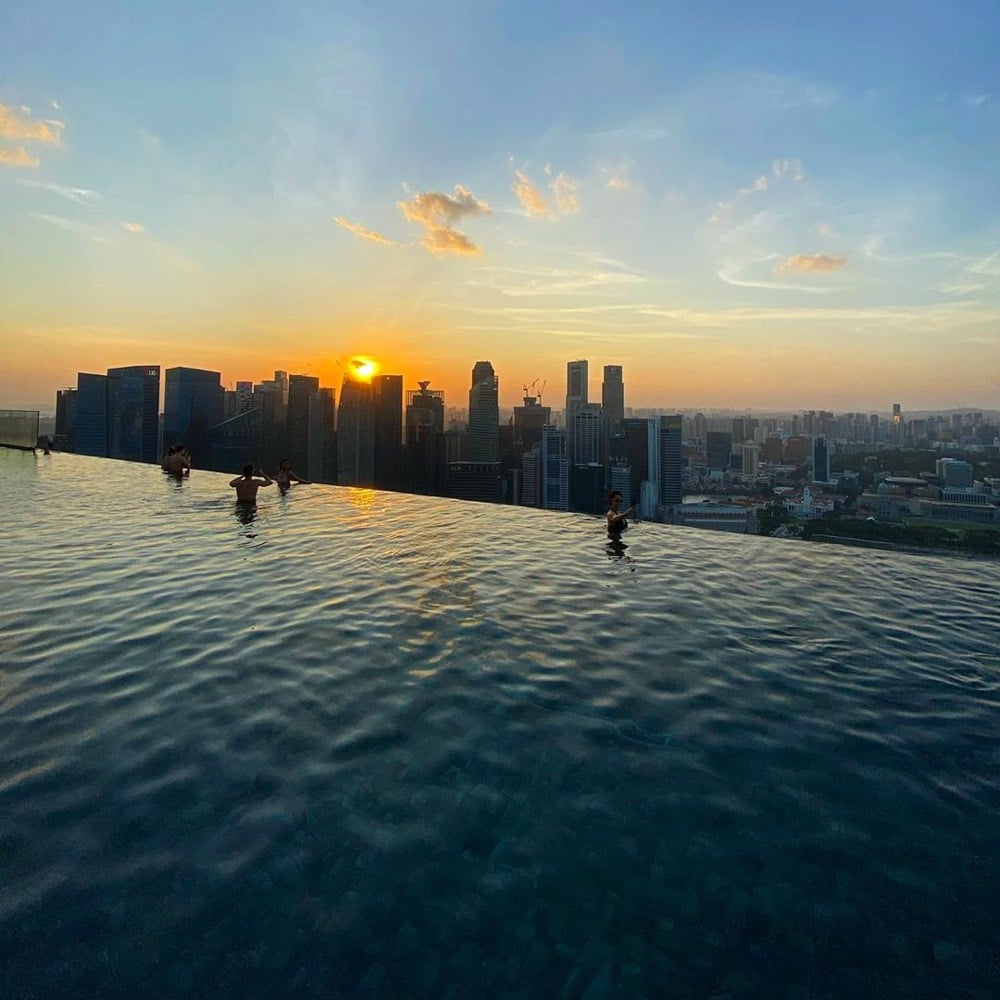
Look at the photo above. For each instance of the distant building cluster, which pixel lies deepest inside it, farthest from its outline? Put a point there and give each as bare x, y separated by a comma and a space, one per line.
381, 436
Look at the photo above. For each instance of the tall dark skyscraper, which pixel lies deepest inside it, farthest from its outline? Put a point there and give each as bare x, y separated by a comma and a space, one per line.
321, 466
301, 389
388, 390
134, 413
577, 380
718, 448
613, 399
426, 459
91, 428
356, 434
554, 470
671, 459
636, 454
587, 434
65, 430
484, 414
820, 460
193, 404
529, 420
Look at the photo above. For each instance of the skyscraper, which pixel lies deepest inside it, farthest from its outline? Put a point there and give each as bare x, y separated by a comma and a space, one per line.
426, 461
613, 399
91, 427
820, 459
134, 413
322, 464
577, 379
65, 430
484, 414
193, 404
718, 447
356, 434
301, 389
671, 460
529, 420
636, 454
388, 390
555, 470
588, 435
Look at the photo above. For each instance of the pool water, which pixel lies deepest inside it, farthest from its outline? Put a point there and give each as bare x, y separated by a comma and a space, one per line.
360, 744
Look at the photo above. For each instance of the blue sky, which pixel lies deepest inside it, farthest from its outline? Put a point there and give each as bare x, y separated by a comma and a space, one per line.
755, 207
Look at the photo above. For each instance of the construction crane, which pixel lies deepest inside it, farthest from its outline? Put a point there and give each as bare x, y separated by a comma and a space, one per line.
535, 389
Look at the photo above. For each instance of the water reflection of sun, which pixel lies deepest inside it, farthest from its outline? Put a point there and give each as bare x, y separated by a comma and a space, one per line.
363, 499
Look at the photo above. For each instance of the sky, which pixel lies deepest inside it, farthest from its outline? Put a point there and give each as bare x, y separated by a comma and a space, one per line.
746, 206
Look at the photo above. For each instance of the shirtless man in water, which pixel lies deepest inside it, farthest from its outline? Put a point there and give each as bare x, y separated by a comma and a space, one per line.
246, 486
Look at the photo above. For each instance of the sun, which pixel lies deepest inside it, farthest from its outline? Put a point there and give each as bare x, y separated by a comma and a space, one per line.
362, 368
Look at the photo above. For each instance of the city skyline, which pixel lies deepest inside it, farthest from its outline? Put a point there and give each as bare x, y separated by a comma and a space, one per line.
744, 210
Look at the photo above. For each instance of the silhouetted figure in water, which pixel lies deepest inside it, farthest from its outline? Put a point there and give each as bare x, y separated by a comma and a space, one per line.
246, 486
617, 519
285, 476
177, 461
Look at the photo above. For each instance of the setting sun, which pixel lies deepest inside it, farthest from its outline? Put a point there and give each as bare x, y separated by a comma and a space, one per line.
362, 368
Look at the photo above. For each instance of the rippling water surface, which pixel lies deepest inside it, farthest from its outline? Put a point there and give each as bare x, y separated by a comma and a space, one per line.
368, 744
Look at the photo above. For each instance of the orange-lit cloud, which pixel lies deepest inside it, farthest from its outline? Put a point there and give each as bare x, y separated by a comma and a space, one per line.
19, 157
133, 227
13, 126
532, 200
365, 234
437, 213
564, 188
805, 263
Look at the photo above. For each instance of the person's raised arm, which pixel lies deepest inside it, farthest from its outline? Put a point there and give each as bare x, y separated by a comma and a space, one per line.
267, 480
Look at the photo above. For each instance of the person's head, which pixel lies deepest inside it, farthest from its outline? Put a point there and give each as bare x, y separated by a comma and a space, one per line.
615, 497
180, 448
284, 464
247, 471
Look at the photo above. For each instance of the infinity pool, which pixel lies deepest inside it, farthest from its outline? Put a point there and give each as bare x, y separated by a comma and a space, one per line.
361, 744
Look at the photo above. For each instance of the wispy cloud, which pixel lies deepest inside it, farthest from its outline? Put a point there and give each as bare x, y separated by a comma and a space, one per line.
19, 157
791, 169
805, 263
976, 275
565, 190
56, 105
365, 234
759, 184
438, 214
133, 227
975, 99
564, 193
515, 282
825, 229
781, 170
82, 196
617, 178
72, 226
532, 200
14, 126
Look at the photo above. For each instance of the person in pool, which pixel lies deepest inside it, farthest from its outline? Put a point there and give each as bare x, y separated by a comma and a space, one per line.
285, 476
176, 461
617, 522
246, 486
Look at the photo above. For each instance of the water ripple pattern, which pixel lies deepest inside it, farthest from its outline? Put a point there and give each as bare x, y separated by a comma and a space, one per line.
356, 744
